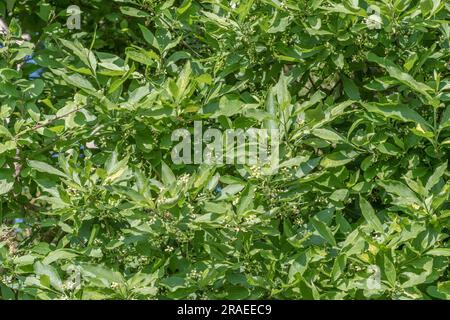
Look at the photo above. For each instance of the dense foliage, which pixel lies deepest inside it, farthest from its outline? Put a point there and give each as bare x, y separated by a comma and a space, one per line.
92, 207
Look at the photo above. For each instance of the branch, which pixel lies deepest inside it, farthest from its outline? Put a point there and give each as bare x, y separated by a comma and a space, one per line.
48, 122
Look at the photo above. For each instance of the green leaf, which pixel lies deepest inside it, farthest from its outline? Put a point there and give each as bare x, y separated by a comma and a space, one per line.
445, 119
336, 159
168, 178
324, 231
440, 252
133, 12
327, 134
370, 216
50, 272
79, 81
271, 110
389, 271
146, 57
307, 167
282, 92
399, 189
6, 181
105, 275
339, 267
350, 88
183, 82
436, 176
150, 38
46, 168
246, 201
230, 191
228, 106
7, 146
398, 112
61, 254
405, 78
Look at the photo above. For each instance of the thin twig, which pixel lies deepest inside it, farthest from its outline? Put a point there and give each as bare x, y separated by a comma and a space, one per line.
48, 122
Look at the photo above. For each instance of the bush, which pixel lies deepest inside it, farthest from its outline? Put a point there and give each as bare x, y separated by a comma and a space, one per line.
94, 207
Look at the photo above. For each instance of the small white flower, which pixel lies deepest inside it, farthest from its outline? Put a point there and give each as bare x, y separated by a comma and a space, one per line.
114, 285
70, 285
255, 171
169, 249
162, 199
373, 21
184, 179
91, 145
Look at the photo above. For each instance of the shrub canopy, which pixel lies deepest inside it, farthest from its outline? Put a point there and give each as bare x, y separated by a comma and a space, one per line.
92, 206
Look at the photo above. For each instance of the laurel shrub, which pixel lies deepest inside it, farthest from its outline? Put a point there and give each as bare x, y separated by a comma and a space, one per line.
93, 207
